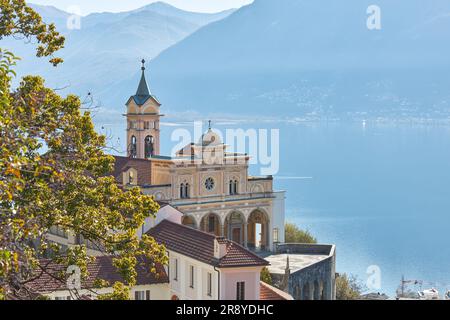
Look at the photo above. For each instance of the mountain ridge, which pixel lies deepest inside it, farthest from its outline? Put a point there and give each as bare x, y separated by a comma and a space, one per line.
108, 48
278, 59
313, 58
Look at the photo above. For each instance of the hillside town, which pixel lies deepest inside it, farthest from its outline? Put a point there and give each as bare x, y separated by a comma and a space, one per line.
220, 226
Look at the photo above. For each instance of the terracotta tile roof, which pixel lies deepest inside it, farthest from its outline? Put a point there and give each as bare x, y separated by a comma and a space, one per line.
22, 294
199, 245
142, 166
102, 268
268, 292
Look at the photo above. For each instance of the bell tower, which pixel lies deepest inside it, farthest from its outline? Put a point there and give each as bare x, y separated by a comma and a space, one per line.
143, 118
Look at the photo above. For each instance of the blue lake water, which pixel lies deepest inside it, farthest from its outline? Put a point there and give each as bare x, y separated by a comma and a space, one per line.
379, 191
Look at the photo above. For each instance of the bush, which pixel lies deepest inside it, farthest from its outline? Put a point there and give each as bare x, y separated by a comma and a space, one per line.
265, 276
347, 287
294, 235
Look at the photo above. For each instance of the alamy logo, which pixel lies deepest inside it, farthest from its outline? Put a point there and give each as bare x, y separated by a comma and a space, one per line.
74, 278
373, 277
74, 20
374, 19
257, 146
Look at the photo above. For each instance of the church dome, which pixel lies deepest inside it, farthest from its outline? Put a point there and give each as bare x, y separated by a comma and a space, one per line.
210, 138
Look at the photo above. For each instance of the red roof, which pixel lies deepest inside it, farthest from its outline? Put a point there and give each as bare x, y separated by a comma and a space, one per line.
268, 292
102, 268
142, 166
199, 245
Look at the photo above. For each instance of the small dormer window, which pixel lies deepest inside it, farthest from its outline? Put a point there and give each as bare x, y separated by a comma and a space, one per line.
130, 177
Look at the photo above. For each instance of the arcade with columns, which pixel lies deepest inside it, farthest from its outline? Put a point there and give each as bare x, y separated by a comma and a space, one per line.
207, 183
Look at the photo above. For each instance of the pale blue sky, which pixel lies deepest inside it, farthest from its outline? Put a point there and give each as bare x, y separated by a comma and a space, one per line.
89, 6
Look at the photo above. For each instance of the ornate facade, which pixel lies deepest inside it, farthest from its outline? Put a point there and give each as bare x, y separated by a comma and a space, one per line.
205, 181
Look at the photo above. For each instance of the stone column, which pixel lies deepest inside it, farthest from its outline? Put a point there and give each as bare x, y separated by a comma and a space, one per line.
269, 236
245, 234
222, 229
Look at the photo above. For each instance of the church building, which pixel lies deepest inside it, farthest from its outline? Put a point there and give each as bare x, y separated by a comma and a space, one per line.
210, 185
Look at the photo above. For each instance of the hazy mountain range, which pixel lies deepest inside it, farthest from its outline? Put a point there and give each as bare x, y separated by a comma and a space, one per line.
288, 58
108, 48
314, 58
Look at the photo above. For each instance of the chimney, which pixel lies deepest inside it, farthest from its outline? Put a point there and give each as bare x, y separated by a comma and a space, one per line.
220, 248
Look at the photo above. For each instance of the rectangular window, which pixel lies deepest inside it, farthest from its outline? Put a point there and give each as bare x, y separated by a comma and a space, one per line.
175, 276
146, 125
147, 295
275, 235
191, 277
139, 295
209, 284
240, 290
58, 231
88, 243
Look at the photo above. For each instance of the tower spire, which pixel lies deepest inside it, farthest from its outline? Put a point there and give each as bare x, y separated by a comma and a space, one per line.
142, 90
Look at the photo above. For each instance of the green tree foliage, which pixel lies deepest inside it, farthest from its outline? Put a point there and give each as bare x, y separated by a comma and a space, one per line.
54, 172
294, 235
21, 21
265, 276
120, 292
347, 287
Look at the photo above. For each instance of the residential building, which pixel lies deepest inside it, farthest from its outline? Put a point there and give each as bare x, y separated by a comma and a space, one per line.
207, 267
60, 283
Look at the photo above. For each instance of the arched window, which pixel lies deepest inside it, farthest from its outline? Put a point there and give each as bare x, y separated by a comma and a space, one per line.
182, 191
149, 146
211, 223
233, 187
186, 190
133, 147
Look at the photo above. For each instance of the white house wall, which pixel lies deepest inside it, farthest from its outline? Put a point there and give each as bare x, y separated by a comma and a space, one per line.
157, 292
229, 277
181, 287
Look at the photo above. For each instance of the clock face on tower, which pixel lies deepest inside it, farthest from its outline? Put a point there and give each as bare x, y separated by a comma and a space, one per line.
209, 184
